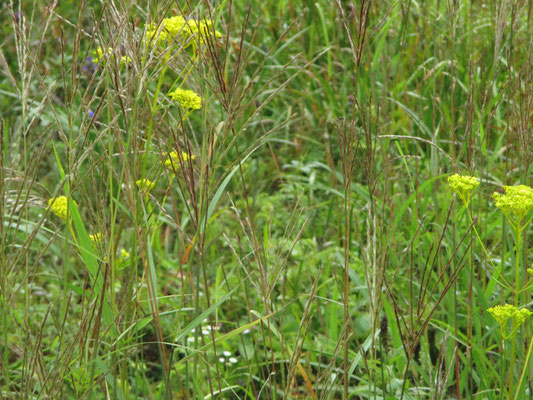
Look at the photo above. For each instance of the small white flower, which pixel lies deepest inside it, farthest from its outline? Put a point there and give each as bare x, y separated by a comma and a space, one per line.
233, 360
227, 353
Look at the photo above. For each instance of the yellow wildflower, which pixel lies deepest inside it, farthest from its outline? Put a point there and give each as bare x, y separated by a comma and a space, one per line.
187, 99
172, 28
202, 28
502, 314
463, 186
166, 31
174, 25
173, 160
200, 33
520, 316
515, 203
123, 255
122, 261
145, 185
101, 55
96, 238
59, 206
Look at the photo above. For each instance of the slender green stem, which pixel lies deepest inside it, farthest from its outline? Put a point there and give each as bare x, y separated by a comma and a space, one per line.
524, 370
516, 298
503, 372
152, 113
517, 265
511, 366
504, 282
154, 106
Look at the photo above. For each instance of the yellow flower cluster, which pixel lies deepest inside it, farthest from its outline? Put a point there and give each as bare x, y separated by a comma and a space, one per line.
101, 55
202, 29
502, 314
123, 255
145, 185
96, 238
59, 206
122, 260
173, 160
463, 186
167, 30
515, 203
173, 28
187, 99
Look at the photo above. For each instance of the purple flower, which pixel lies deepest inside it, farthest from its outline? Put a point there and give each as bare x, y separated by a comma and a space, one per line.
91, 113
90, 66
17, 16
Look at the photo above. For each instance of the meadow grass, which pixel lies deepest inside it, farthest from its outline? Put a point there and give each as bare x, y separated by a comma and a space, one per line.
257, 200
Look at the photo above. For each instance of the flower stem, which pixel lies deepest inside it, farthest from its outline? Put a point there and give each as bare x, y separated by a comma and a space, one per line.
524, 370
516, 296
504, 283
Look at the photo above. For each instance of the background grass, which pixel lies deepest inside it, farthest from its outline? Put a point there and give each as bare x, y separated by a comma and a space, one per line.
312, 248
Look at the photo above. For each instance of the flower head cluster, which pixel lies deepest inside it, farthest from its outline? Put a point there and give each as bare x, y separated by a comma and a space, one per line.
124, 254
502, 314
96, 238
173, 160
145, 185
202, 29
59, 206
101, 55
177, 27
187, 99
166, 31
463, 186
515, 203
520, 316
122, 260
173, 26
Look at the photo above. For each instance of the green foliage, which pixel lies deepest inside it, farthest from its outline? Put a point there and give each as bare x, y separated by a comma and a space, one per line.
257, 201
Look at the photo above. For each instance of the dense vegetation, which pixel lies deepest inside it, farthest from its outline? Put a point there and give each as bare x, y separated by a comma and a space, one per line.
266, 200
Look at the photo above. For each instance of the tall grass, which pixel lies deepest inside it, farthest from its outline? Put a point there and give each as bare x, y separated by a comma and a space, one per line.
300, 239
